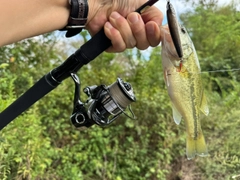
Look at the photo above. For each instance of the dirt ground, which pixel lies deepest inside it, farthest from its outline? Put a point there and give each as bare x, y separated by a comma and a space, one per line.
183, 169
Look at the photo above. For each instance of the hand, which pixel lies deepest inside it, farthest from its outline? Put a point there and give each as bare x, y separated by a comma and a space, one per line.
125, 28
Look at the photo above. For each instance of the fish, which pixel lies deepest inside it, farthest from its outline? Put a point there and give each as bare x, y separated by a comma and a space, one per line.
182, 76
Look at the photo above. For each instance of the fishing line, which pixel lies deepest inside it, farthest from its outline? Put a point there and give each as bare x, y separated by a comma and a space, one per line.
203, 72
223, 70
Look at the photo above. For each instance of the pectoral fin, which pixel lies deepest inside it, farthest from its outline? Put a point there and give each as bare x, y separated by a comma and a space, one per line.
176, 115
204, 106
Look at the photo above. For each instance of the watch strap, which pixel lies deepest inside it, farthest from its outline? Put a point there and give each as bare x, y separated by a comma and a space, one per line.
77, 18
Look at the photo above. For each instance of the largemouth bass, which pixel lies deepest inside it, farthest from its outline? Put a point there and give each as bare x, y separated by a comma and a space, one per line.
183, 80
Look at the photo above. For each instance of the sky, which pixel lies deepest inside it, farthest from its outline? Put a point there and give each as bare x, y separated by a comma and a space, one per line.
182, 7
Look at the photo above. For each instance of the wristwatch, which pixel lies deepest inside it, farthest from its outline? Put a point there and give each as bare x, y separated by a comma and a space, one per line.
78, 17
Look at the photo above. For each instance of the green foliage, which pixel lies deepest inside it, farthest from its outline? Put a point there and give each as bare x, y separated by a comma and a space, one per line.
22, 147
223, 134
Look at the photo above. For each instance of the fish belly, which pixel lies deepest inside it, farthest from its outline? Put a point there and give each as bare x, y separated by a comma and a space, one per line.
185, 94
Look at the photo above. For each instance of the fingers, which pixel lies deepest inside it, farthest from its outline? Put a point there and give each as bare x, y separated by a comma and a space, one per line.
119, 32
131, 32
153, 14
138, 30
118, 44
135, 30
145, 34
153, 33
153, 18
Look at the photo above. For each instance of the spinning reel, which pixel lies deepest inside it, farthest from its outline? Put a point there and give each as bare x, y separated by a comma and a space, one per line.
104, 103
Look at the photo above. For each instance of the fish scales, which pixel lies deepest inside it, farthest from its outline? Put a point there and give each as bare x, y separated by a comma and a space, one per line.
185, 89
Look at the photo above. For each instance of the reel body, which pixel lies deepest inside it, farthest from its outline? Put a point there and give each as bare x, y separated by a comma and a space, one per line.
104, 103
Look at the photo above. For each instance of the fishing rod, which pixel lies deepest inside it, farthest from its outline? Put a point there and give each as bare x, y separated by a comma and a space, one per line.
104, 104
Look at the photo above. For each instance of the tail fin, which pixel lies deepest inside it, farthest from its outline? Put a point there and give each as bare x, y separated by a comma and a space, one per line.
196, 147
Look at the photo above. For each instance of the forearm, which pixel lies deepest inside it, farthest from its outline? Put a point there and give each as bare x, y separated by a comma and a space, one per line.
27, 18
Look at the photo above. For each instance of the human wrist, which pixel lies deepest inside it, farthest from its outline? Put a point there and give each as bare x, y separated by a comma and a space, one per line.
93, 6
